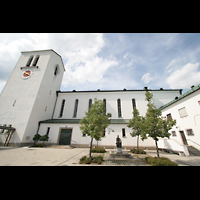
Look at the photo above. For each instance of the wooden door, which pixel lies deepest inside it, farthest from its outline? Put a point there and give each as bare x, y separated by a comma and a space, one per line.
65, 137
183, 137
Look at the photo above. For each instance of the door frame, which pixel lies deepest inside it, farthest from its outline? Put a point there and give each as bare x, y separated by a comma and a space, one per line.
184, 139
58, 140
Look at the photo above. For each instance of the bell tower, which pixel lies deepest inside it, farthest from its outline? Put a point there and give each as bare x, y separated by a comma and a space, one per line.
29, 95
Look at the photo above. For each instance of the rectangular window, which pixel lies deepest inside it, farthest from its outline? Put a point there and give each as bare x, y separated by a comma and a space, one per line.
119, 108
62, 108
189, 132
169, 116
75, 108
133, 102
173, 133
182, 112
83, 135
123, 132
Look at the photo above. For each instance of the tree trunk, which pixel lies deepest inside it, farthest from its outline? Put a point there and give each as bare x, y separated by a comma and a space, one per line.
91, 147
157, 148
138, 142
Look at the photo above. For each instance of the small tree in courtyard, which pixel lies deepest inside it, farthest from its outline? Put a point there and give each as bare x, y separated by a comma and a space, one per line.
96, 121
135, 123
154, 125
36, 138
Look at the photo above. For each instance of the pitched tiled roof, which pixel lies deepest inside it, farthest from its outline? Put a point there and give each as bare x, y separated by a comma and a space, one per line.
194, 89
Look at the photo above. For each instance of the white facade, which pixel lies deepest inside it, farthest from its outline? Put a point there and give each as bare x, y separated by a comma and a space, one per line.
186, 111
25, 100
161, 97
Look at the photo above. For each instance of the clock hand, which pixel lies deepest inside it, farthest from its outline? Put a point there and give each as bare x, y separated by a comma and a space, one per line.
27, 73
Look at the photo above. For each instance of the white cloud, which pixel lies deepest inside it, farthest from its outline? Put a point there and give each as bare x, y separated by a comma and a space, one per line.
79, 53
125, 55
170, 64
130, 63
185, 77
146, 78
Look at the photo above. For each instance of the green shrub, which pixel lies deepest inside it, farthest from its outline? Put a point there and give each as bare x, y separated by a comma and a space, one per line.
98, 150
137, 151
88, 160
160, 161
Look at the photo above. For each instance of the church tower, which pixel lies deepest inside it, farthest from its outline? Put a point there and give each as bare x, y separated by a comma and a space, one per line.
29, 95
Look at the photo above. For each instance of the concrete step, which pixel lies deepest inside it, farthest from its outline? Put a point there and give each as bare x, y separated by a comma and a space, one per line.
61, 147
193, 151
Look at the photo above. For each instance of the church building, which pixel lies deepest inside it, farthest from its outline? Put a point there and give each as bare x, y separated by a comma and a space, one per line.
31, 102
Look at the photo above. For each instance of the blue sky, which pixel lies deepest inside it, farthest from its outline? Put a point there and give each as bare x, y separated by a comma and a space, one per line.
112, 60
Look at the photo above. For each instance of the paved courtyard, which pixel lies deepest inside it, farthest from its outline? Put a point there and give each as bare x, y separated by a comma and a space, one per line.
24, 156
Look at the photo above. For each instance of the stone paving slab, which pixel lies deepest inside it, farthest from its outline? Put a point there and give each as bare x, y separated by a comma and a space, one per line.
24, 156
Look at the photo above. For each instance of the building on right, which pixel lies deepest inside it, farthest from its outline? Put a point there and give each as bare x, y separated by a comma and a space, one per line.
185, 135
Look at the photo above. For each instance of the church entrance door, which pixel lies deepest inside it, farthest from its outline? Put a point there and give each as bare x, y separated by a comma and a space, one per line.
65, 137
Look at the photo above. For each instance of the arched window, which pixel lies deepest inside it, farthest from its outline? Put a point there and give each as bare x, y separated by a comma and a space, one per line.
119, 108
36, 60
29, 61
62, 107
133, 102
90, 103
75, 108
104, 101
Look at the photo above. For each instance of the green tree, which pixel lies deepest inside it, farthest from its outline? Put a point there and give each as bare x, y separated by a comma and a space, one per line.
36, 138
44, 138
95, 121
135, 123
154, 124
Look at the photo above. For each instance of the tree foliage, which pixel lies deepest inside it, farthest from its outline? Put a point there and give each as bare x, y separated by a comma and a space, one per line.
154, 125
135, 123
96, 121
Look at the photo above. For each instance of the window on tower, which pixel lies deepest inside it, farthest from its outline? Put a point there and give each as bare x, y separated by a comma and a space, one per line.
36, 60
29, 61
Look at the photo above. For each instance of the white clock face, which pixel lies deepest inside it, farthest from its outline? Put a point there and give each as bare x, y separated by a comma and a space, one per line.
27, 74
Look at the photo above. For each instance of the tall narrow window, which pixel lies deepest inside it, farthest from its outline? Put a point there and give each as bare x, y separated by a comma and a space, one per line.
56, 70
62, 107
90, 103
119, 108
35, 60
133, 102
123, 132
29, 61
75, 108
104, 101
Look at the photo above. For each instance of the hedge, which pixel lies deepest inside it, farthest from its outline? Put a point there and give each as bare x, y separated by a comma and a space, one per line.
160, 161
